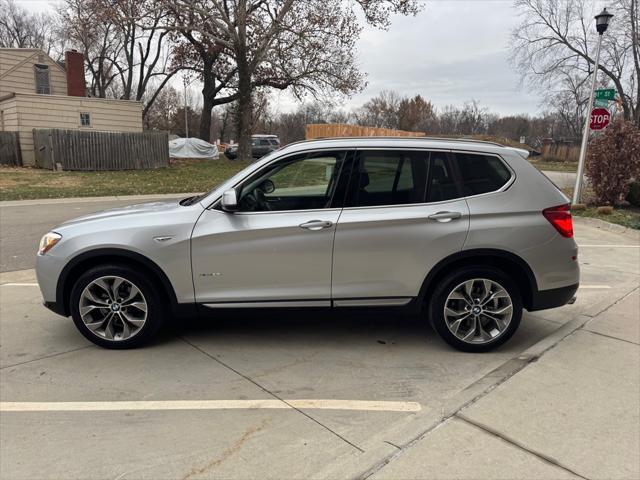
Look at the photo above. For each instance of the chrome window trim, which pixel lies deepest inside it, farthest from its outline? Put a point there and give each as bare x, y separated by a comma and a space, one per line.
214, 203
504, 187
290, 211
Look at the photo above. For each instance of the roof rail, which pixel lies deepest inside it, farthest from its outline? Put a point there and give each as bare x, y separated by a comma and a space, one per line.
387, 137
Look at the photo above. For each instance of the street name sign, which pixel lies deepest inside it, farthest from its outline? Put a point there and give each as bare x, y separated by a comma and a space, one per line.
606, 94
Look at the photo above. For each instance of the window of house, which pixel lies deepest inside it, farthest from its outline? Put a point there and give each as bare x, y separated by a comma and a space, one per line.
43, 84
481, 173
389, 178
85, 119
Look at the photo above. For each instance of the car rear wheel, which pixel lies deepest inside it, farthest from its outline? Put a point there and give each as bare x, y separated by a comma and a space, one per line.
116, 307
476, 309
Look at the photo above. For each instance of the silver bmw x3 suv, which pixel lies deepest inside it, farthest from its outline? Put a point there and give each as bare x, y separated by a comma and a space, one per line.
466, 234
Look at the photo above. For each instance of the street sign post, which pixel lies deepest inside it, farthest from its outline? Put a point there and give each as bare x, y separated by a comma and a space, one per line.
605, 94
600, 118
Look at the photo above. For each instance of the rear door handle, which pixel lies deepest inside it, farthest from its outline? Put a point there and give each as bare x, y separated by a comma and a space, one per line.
316, 225
444, 217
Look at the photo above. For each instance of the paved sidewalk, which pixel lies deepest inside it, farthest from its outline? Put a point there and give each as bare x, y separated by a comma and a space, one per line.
561, 179
574, 413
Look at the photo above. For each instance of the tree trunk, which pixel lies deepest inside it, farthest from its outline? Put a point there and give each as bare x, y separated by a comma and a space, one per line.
243, 116
208, 96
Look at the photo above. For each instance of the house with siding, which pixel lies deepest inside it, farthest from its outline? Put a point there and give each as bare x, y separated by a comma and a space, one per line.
37, 92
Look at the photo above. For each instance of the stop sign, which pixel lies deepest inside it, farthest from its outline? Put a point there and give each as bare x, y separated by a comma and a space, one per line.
600, 118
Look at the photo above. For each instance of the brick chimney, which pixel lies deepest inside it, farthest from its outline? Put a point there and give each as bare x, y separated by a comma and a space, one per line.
74, 64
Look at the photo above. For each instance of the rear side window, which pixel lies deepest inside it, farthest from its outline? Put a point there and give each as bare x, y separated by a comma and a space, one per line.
442, 182
389, 178
481, 173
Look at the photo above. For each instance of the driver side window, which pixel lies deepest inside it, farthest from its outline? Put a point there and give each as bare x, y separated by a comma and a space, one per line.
302, 182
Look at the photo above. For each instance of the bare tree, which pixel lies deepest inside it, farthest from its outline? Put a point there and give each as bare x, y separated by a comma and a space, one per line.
381, 111
99, 42
556, 40
470, 119
306, 45
127, 48
198, 51
21, 29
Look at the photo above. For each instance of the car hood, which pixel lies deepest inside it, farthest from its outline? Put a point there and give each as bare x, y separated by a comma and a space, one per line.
128, 211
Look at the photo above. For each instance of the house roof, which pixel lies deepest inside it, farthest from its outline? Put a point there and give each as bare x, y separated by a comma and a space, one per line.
26, 55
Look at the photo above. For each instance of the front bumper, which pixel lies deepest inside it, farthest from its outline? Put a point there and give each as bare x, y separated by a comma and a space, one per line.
555, 297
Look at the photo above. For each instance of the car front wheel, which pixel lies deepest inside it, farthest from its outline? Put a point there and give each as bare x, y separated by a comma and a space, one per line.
476, 309
116, 307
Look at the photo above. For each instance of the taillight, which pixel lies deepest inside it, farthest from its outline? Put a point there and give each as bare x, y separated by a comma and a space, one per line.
560, 218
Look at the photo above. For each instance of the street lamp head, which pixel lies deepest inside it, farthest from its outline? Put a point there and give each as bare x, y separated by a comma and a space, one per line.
602, 21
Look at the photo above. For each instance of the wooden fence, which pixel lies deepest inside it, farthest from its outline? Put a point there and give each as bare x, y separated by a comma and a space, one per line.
561, 152
82, 150
10, 149
324, 130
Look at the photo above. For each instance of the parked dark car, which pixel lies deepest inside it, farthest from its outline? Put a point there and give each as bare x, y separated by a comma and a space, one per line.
260, 146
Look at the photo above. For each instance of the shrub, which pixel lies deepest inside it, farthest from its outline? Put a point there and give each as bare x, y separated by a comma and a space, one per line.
613, 160
633, 197
604, 210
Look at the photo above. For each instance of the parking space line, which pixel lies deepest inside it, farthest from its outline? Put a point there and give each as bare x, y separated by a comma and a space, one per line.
18, 284
609, 246
317, 404
595, 286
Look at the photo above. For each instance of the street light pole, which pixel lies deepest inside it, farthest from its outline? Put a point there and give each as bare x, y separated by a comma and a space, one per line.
602, 22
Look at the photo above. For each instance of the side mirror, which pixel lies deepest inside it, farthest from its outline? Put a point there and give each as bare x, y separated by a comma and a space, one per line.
230, 201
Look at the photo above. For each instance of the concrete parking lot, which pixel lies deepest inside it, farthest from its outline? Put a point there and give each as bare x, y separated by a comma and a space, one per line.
323, 396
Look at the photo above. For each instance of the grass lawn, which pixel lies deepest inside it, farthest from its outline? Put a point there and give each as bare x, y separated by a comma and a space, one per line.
628, 217
554, 166
181, 177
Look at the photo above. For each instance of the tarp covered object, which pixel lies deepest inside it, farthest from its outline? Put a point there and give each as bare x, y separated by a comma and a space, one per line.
192, 148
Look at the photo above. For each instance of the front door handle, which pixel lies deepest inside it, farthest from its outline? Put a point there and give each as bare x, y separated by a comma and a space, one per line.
316, 225
444, 217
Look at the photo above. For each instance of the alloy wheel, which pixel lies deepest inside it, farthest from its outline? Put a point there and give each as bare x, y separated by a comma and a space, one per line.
478, 311
113, 308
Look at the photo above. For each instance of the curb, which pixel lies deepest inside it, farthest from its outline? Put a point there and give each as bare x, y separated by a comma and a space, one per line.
53, 201
608, 226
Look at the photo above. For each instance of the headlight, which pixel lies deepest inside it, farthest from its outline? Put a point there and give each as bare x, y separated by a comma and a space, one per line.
48, 242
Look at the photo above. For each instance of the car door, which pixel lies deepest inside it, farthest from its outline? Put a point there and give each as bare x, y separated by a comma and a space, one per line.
403, 214
277, 250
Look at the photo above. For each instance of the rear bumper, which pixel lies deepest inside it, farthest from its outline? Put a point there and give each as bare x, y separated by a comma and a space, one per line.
555, 297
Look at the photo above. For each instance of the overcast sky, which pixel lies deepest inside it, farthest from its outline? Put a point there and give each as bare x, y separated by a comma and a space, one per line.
453, 51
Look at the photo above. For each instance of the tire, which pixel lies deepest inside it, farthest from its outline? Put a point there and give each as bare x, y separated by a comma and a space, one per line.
122, 307
480, 328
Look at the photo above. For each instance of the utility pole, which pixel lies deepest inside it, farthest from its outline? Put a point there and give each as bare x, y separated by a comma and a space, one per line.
602, 22
186, 121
